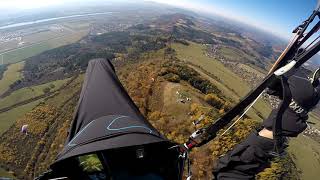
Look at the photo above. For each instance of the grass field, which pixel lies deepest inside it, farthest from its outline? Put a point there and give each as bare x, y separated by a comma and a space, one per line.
8, 118
171, 100
29, 51
314, 119
35, 37
234, 54
195, 54
307, 152
30, 92
259, 73
226, 91
306, 156
11, 75
20, 54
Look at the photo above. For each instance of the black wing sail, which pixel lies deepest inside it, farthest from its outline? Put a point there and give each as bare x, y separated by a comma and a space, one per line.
106, 117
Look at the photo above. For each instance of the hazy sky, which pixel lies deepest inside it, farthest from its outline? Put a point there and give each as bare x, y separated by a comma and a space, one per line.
277, 16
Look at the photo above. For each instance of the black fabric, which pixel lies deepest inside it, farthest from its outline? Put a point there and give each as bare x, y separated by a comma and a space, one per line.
106, 117
315, 78
315, 83
157, 163
102, 94
246, 159
277, 123
304, 98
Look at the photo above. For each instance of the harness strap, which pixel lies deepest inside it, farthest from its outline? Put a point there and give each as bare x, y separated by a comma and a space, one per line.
277, 124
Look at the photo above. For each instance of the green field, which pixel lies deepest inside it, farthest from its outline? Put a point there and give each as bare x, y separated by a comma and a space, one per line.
307, 152
8, 118
20, 54
29, 51
259, 72
306, 156
30, 92
12, 74
234, 54
195, 54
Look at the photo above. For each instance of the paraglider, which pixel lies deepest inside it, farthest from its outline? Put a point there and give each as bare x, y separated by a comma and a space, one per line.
24, 129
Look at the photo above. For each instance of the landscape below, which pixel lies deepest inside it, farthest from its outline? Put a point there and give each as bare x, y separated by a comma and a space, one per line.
177, 69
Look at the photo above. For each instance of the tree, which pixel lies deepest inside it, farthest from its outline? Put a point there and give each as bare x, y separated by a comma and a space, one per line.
46, 90
214, 100
52, 86
172, 77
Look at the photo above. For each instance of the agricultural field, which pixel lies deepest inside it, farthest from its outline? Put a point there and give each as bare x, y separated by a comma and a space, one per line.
75, 26
12, 74
30, 92
195, 54
22, 53
255, 70
225, 90
8, 118
234, 54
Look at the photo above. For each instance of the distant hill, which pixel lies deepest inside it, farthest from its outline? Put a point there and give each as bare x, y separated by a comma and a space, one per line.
247, 30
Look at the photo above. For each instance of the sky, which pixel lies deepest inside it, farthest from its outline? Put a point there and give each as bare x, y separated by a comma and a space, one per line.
279, 17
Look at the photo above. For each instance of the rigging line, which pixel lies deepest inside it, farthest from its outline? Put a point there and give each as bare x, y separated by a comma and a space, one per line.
307, 35
312, 42
293, 40
240, 117
273, 68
